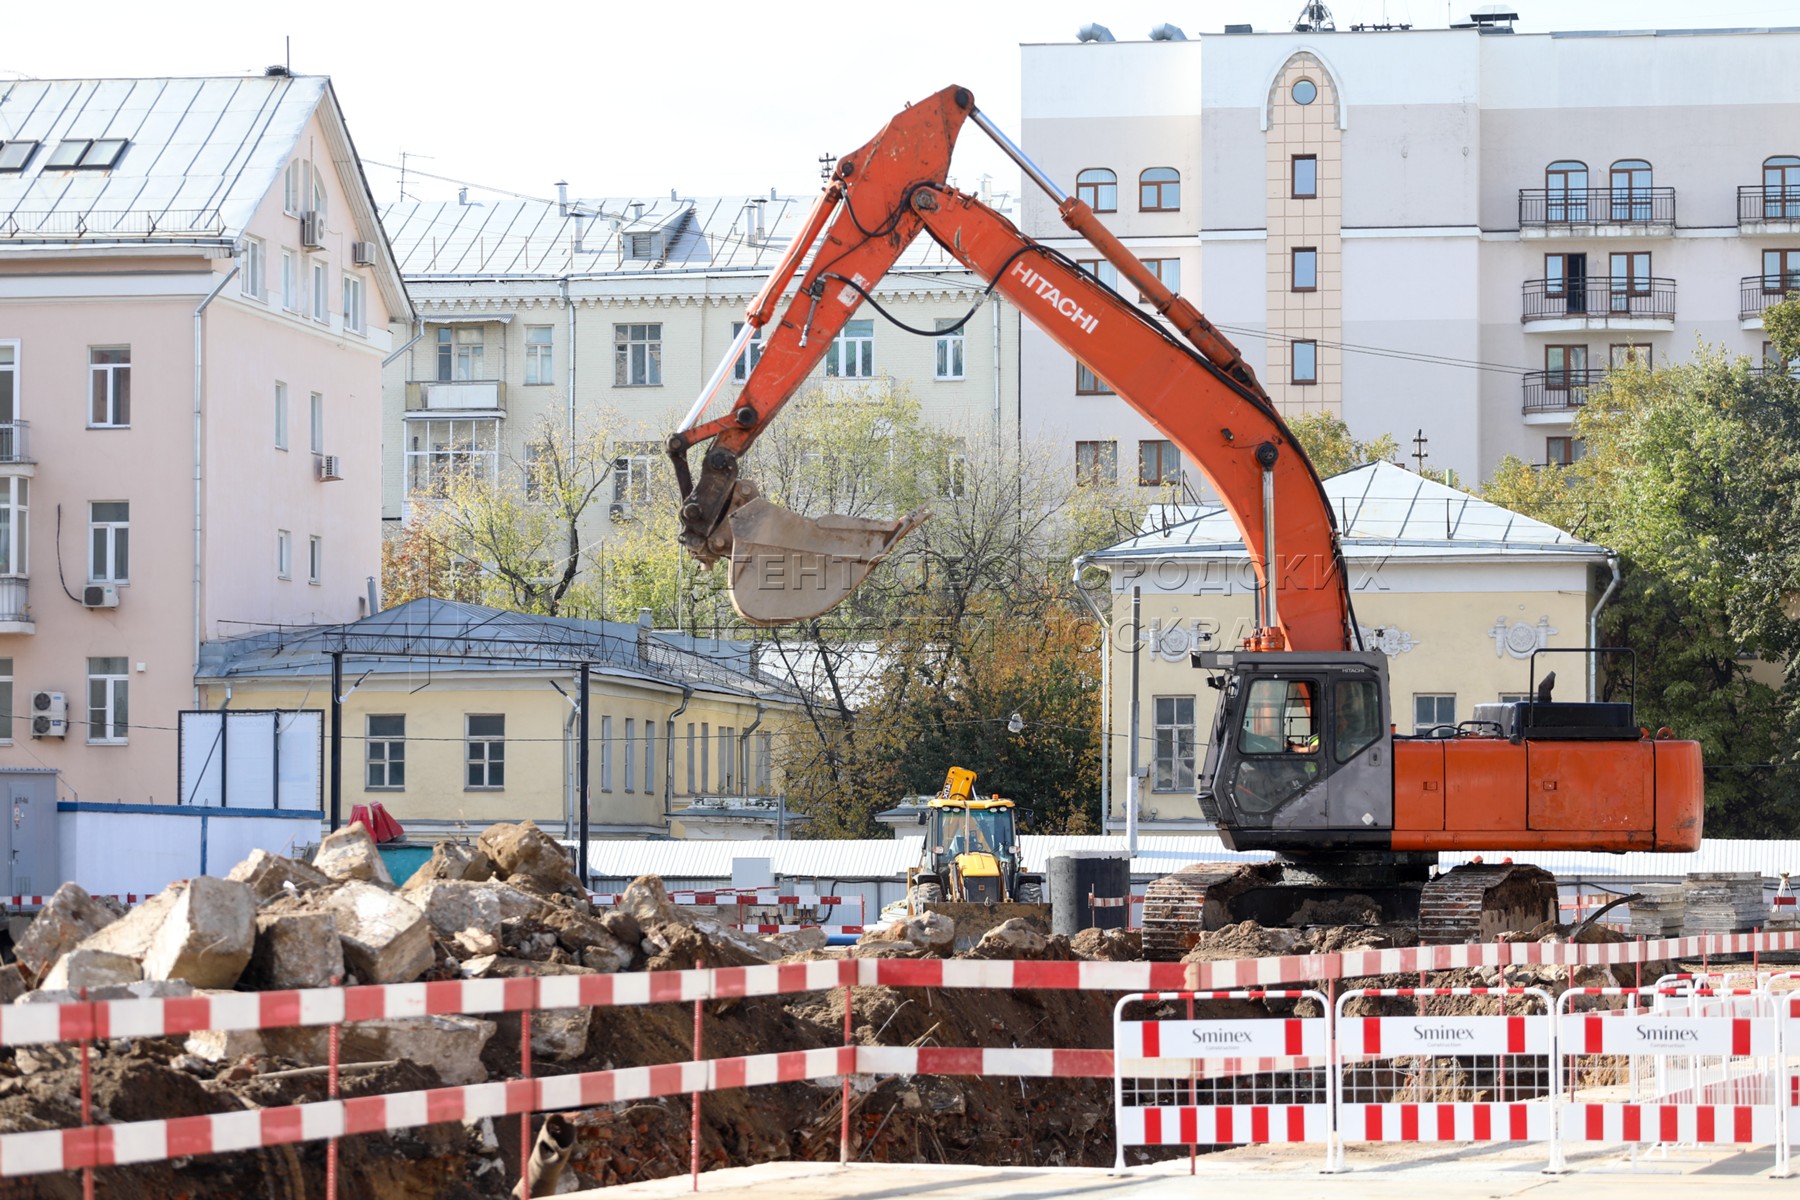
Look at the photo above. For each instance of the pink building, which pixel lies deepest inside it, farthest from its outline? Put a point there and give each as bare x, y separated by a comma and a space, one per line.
195, 301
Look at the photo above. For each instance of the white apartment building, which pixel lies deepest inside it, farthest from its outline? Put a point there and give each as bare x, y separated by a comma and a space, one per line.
1451, 232
195, 298
531, 310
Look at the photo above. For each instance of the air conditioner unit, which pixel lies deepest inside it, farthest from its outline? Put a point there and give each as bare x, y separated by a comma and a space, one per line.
619, 512
329, 467
362, 254
49, 714
312, 231
100, 595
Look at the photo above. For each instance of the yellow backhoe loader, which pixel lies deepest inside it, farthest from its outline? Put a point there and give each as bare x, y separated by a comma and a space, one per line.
972, 869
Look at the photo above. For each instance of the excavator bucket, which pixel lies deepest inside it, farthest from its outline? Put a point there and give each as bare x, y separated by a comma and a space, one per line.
787, 568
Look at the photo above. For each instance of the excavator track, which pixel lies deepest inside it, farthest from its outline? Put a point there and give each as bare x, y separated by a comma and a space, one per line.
1175, 910
1477, 902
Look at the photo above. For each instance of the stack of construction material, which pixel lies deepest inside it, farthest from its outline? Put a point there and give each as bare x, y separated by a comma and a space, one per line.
1661, 911
1724, 902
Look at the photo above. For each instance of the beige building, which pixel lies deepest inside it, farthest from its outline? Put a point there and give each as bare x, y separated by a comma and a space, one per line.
1447, 232
534, 311
1460, 594
458, 715
195, 299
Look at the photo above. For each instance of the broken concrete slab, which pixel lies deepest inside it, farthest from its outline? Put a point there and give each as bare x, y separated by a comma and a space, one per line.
647, 902
608, 960
475, 943
450, 1045
1016, 938
67, 917
524, 849
143, 989
132, 933
270, 875
91, 969
454, 905
623, 926
452, 861
295, 950
386, 938
350, 853
208, 935
12, 982
557, 1034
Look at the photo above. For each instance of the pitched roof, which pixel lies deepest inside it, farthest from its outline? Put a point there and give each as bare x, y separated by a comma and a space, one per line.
1383, 511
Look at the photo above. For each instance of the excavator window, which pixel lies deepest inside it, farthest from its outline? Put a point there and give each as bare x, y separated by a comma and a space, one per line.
1357, 721
1279, 717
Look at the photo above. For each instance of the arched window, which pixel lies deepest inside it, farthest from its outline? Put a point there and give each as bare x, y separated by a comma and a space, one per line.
1099, 187
1630, 190
1565, 191
1781, 188
1159, 190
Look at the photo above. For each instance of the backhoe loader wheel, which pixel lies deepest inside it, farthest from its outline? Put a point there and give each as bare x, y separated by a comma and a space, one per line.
1031, 893
925, 893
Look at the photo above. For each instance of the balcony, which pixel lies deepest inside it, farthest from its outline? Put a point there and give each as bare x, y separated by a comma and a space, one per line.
15, 448
15, 605
1757, 292
1596, 212
1599, 302
1551, 397
462, 395
1769, 209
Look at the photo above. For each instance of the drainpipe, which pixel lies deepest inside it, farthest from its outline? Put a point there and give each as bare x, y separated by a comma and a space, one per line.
687, 693
997, 427
1612, 561
418, 332
199, 471
744, 750
1105, 695
569, 785
570, 307
1137, 647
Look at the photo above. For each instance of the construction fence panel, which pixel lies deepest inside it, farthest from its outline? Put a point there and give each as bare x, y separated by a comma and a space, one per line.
1446, 1076
1222, 1081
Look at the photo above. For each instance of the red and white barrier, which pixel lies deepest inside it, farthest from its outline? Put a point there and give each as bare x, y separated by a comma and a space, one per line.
1188, 1102
40, 901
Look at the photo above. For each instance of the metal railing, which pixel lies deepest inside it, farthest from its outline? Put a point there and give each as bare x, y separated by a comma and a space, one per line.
1596, 206
106, 224
1559, 391
1599, 296
1769, 203
15, 598
1757, 292
14, 446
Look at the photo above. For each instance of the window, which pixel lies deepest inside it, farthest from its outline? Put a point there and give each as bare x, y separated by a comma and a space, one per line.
1631, 190
284, 554
1159, 462
315, 558
109, 541
87, 155
1167, 272
1303, 177
1431, 710
765, 764
1356, 723
1780, 271
649, 756
631, 473
1566, 191
108, 708
949, 349
1096, 463
15, 155
746, 362
852, 353
1627, 354
1771, 358
1173, 769
486, 758
705, 757
281, 416
461, 353
15, 505
606, 758
1781, 186
250, 269
1089, 384
386, 752
1305, 91
1630, 277
1565, 367
539, 343
955, 476
109, 380
9, 402
321, 298
438, 450
1280, 718
1098, 188
727, 759
630, 754
290, 281
316, 410
355, 316
637, 355
1159, 190
1305, 363
690, 758
6, 700
293, 193
1561, 451
1100, 269
1305, 274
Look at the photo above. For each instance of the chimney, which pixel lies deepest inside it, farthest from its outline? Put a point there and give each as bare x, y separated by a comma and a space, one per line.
462, 196
562, 198
761, 229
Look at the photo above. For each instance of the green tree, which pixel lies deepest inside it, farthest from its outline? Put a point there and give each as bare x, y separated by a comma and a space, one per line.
1328, 443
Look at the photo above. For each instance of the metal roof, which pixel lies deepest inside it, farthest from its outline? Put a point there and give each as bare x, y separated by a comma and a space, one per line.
1383, 512
867, 858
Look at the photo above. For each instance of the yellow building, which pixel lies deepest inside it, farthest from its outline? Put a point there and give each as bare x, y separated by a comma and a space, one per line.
456, 714
1460, 594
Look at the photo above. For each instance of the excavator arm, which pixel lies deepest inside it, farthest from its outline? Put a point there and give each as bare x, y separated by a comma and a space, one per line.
1195, 388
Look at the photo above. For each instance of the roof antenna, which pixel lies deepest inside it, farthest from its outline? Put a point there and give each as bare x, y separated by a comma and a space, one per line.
287, 52
1314, 18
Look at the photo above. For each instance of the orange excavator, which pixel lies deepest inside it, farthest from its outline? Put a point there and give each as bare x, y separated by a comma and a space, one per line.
1303, 758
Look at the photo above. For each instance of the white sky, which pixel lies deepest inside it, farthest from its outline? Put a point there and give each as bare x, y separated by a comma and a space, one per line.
706, 97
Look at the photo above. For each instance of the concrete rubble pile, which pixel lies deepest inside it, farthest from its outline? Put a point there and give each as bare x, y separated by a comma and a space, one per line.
1660, 912
1724, 902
